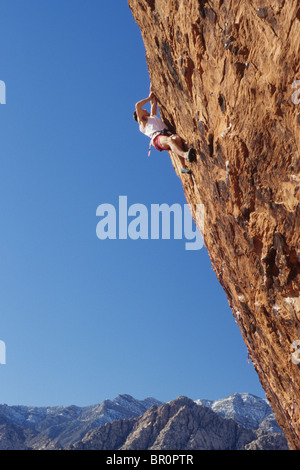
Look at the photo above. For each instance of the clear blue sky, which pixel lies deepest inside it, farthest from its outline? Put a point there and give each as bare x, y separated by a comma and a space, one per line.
85, 319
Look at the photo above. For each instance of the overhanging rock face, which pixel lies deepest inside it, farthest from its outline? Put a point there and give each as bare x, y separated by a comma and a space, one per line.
227, 78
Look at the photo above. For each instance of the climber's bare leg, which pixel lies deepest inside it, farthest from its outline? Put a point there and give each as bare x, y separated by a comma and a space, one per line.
173, 143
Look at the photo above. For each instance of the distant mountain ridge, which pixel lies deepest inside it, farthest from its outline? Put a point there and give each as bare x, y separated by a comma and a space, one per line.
246, 409
59, 426
179, 425
24, 427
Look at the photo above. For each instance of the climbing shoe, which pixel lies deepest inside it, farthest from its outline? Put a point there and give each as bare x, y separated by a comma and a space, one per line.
191, 155
186, 170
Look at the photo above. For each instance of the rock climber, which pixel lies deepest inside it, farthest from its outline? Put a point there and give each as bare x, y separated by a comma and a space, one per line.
151, 125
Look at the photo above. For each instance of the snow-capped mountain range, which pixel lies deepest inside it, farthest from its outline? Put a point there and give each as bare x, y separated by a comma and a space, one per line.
59, 426
65, 424
249, 411
123, 406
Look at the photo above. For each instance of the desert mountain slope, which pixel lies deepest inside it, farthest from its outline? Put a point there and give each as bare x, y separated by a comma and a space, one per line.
59, 426
122, 420
178, 425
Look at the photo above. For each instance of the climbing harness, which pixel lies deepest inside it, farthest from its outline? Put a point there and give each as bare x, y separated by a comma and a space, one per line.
163, 132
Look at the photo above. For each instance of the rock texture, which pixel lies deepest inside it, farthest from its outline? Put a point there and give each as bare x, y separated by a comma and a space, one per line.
13, 437
227, 79
178, 425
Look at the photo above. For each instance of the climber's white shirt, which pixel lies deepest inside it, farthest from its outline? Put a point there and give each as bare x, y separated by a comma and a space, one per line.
154, 124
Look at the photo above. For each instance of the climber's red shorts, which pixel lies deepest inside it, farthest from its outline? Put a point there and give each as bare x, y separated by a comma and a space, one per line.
156, 141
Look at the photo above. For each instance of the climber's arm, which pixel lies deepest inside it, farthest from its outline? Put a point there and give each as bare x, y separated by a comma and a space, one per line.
153, 105
139, 107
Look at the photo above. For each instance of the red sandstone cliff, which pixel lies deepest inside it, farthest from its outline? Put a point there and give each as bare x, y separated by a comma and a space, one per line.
226, 74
